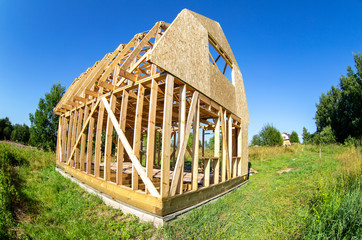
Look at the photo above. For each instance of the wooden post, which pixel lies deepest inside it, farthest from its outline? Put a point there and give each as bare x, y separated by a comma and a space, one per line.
83, 141
203, 142
79, 127
151, 130
74, 132
120, 148
70, 130
181, 130
108, 142
166, 137
217, 150
195, 148
245, 166
64, 139
90, 143
239, 154
97, 155
58, 144
230, 145
207, 173
137, 133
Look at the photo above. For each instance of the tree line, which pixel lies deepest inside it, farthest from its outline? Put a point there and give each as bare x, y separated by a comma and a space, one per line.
43, 128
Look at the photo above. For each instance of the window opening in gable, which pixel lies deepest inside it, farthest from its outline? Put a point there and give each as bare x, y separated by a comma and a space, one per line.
218, 57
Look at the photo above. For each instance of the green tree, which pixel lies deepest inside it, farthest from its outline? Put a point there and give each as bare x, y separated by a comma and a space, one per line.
341, 107
307, 137
270, 136
20, 133
326, 136
44, 123
5, 129
294, 137
256, 140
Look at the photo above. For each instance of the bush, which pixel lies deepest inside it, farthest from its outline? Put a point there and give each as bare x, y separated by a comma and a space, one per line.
326, 136
270, 136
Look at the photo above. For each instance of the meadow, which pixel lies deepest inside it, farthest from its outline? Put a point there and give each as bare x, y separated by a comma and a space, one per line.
299, 192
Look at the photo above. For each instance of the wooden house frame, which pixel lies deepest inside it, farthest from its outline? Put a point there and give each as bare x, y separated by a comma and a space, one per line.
125, 123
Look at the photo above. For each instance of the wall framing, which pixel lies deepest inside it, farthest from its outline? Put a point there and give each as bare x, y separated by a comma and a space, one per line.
125, 123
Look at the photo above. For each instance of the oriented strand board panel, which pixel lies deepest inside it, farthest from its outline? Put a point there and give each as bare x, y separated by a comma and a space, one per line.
216, 31
183, 51
241, 96
222, 90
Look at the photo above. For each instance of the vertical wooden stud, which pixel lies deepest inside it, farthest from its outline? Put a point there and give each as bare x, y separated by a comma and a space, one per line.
83, 141
137, 133
97, 155
195, 148
181, 129
217, 150
120, 148
108, 142
90, 143
166, 137
151, 130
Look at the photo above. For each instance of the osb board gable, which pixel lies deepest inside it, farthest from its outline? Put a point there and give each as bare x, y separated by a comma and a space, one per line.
241, 102
216, 31
222, 90
183, 51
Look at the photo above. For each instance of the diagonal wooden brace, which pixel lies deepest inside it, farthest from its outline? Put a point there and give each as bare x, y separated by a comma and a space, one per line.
135, 162
182, 148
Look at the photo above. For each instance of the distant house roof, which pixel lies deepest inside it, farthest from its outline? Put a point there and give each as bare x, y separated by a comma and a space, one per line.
285, 136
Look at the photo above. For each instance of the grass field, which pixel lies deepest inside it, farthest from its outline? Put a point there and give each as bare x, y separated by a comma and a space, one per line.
315, 198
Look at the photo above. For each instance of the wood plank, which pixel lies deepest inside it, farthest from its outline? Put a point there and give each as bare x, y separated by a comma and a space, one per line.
225, 171
181, 153
151, 130
217, 150
166, 137
137, 132
108, 142
120, 148
80, 99
239, 154
181, 130
207, 173
92, 93
129, 150
79, 127
230, 143
70, 128
64, 139
195, 148
83, 140
126, 64
98, 143
74, 133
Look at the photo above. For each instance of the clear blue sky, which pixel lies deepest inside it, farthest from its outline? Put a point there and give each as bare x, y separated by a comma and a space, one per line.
288, 51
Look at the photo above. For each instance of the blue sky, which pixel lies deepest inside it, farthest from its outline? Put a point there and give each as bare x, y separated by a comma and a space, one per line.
288, 51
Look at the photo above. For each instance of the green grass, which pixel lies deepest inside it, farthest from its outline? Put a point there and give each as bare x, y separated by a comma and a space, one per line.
320, 198
49, 206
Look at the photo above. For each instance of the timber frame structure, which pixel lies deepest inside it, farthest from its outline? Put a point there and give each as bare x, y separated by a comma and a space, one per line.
125, 123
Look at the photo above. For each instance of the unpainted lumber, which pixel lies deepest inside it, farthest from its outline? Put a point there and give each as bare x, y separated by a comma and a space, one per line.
166, 136
137, 132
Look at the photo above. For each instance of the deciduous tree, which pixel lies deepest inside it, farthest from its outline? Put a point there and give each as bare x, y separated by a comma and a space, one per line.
44, 123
